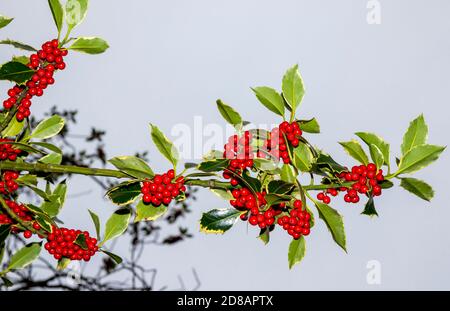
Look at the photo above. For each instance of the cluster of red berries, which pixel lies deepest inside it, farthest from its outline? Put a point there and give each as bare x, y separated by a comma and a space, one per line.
239, 150
8, 183
263, 219
244, 199
5, 219
61, 243
296, 224
7, 151
298, 221
324, 196
366, 181
162, 188
45, 62
276, 145
21, 211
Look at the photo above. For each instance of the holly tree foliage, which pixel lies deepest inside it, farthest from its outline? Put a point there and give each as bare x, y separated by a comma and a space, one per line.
260, 172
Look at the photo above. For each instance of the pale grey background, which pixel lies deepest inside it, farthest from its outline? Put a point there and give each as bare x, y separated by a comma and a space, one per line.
169, 61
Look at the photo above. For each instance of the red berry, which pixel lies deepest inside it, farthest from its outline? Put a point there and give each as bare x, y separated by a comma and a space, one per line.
171, 174
27, 234
355, 199
371, 167
253, 220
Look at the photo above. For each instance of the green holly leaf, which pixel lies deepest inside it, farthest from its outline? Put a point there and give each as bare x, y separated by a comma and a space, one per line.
415, 135
21, 59
371, 138
297, 249
51, 158
273, 198
303, 158
117, 224
28, 179
4, 233
309, 126
45, 145
334, 222
264, 236
76, 11
24, 256
293, 88
229, 114
270, 98
125, 193
56, 200
355, 150
81, 241
149, 212
19, 45
287, 173
219, 220
89, 45
369, 208
280, 187
63, 263
418, 157
223, 194
117, 259
164, 145
15, 72
57, 13
325, 161
48, 127
14, 128
266, 165
213, 165
132, 166
4, 21
376, 155
386, 184
45, 223
96, 222
251, 182
418, 187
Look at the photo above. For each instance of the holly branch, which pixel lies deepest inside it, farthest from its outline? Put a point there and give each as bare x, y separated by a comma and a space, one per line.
259, 172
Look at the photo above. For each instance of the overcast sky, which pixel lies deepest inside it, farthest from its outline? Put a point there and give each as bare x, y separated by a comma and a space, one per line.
170, 60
